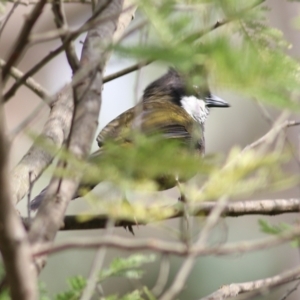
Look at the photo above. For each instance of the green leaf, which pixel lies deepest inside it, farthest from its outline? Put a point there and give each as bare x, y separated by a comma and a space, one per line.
148, 293
127, 267
76, 287
272, 229
277, 230
134, 295
245, 172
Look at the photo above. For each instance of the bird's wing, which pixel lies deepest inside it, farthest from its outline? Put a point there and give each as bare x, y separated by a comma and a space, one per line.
170, 120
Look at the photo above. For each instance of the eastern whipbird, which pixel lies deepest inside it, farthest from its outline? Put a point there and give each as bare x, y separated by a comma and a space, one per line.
170, 107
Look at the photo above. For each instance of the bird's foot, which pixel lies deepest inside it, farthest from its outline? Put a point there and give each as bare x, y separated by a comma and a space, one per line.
128, 226
182, 198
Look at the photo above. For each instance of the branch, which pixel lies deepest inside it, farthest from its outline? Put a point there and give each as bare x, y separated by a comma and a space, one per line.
272, 133
4, 22
14, 245
87, 100
290, 291
187, 266
125, 71
270, 207
257, 286
22, 40
29, 82
175, 248
70, 36
54, 133
61, 23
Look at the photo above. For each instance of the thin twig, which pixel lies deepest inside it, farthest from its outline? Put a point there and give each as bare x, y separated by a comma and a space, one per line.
10, 13
29, 197
290, 291
187, 266
23, 125
125, 71
73, 34
29, 82
271, 133
163, 276
22, 40
96, 266
31, 72
92, 23
61, 23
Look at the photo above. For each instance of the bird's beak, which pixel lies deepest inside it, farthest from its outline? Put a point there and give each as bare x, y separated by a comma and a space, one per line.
215, 101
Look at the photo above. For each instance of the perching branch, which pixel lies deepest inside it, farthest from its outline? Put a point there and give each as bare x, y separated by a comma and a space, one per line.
270, 207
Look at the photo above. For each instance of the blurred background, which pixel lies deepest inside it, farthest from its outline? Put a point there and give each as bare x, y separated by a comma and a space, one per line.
244, 123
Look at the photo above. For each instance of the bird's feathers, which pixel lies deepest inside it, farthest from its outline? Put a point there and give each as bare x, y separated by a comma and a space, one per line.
150, 118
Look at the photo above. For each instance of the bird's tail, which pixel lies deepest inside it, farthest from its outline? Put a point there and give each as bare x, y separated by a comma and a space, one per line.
83, 188
37, 201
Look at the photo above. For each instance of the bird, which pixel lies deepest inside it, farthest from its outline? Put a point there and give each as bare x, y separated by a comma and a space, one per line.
171, 107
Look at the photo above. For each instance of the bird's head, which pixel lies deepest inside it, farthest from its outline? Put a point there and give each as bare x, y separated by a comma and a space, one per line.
195, 100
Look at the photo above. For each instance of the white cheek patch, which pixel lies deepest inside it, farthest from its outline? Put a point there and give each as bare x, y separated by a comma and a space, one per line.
195, 107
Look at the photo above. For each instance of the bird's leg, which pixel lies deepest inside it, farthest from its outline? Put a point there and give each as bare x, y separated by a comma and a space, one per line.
182, 197
127, 204
185, 219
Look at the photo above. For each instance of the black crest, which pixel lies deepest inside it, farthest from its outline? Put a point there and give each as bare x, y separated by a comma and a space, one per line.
170, 86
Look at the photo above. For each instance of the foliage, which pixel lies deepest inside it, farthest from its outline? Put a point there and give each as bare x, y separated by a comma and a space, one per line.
241, 52
76, 286
120, 267
245, 172
277, 230
128, 268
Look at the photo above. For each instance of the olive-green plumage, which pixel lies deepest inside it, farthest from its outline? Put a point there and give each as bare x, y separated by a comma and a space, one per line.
169, 107
154, 116
151, 117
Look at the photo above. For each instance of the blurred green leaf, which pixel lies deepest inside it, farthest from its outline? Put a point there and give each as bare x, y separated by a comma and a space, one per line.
277, 230
134, 295
76, 286
234, 42
272, 229
127, 267
246, 172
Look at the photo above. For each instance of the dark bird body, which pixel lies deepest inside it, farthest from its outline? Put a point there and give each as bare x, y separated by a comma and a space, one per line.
169, 108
